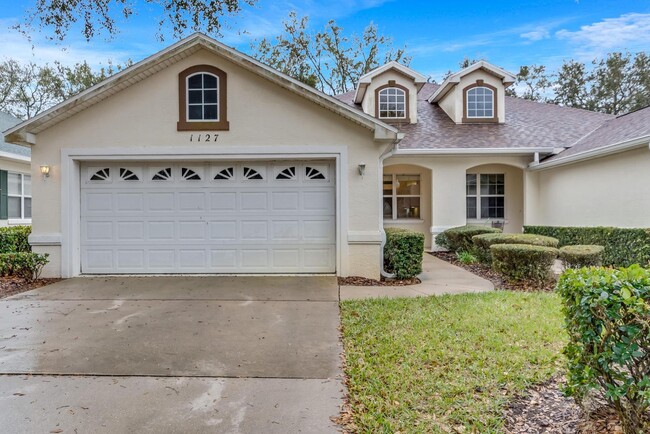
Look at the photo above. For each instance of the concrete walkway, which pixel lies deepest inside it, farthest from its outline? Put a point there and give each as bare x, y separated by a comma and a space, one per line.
438, 277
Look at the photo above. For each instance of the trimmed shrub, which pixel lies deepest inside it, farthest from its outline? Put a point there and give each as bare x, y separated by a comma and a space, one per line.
23, 264
623, 246
581, 256
523, 261
442, 241
606, 315
460, 238
14, 239
403, 252
482, 243
466, 257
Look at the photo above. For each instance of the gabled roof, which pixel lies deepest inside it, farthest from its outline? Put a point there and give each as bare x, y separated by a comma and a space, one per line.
366, 79
24, 132
8, 150
451, 81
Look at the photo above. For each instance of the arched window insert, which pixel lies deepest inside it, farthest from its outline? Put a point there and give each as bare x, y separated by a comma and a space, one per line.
202, 99
392, 103
480, 103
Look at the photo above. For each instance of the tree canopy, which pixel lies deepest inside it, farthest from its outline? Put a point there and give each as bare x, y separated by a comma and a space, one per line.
58, 17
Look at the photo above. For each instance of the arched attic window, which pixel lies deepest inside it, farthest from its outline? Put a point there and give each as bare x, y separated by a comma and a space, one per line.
202, 99
392, 102
480, 103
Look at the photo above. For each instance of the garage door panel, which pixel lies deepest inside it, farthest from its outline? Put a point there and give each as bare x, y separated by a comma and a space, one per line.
177, 223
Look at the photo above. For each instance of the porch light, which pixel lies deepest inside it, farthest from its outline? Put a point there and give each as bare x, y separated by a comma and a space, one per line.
362, 169
45, 171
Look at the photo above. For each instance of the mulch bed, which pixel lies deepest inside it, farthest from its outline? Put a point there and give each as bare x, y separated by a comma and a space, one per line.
15, 285
488, 273
362, 281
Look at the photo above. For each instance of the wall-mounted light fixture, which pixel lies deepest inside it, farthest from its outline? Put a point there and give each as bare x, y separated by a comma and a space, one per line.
45, 171
362, 169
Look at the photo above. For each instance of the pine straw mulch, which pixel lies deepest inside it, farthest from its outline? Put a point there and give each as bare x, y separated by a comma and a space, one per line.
362, 281
488, 273
15, 285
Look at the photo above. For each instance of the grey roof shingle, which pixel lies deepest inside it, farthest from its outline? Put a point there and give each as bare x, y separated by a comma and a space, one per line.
7, 121
528, 124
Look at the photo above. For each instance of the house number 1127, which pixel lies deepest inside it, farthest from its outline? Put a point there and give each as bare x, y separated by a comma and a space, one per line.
203, 137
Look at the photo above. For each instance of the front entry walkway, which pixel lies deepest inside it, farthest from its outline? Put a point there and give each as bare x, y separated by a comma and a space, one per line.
438, 277
172, 355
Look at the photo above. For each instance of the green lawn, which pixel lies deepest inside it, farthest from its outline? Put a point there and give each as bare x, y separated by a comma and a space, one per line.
447, 364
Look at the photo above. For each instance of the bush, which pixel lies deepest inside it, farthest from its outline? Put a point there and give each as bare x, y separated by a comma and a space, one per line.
523, 261
14, 239
403, 252
23, 264
623, 246
442, 241
607, 315
466, 257
460, 239
482, 243
581, 256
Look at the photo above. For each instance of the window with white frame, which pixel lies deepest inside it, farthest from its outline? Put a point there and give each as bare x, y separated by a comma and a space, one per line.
401, 197
485, 196
19, 196
480, 102
392, 103
202, 97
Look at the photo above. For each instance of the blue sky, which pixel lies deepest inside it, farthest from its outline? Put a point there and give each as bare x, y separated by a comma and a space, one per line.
438, 35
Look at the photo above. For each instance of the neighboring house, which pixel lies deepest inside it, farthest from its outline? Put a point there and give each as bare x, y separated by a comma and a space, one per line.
15, 179
200, 159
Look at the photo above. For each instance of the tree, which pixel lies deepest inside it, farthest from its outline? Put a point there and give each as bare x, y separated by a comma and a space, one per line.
28, 89
571, 86
532, 83
97, 16
328, 59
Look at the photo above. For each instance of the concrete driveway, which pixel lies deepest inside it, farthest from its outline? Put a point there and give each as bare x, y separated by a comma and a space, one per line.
172, 355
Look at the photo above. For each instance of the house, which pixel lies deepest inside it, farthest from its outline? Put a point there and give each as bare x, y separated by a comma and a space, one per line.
199, 159
15, 179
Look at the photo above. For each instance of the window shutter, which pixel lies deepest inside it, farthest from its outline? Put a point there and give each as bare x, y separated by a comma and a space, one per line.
4, 205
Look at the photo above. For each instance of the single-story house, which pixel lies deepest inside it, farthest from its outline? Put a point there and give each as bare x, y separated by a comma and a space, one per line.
200, 159
15, 179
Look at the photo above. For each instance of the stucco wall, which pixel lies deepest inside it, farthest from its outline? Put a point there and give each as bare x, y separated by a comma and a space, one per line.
608, 191
260, 114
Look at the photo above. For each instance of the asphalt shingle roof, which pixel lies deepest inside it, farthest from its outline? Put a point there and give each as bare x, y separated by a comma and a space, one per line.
7, 121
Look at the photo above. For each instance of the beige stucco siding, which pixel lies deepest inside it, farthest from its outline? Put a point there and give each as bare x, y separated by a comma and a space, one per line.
607, 191
260, 114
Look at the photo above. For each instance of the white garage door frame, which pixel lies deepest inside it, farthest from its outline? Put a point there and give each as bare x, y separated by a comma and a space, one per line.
71, 160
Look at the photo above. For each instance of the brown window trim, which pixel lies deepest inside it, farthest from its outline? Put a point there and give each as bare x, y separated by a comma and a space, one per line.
494, 119
185, 125
391, 83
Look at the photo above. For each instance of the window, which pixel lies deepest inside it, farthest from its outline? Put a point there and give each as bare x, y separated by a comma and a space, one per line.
392, 102
19, 196
202, 99
401, 197
480, 103
485, 196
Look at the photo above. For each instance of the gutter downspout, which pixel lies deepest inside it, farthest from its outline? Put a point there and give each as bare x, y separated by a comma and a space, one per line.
387, 153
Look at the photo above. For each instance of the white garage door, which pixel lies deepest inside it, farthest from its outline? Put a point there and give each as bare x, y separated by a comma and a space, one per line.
244, 217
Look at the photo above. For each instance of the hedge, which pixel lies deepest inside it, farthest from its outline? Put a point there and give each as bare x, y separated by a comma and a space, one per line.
23, 264
606, 315
483, 242
403, 252
14, 239
581, 256
623, 247
459, 239
523, 261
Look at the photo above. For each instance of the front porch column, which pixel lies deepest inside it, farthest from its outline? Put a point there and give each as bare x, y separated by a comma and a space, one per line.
447, 199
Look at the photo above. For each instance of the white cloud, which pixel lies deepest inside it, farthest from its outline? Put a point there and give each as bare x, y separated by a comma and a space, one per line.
627, 32
537, 34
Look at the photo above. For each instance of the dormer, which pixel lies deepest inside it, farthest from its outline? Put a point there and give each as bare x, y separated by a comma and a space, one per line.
475, 94
390, 93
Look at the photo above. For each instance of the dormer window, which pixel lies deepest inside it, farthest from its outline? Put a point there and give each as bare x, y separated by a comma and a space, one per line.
392, 102
202, 99
480, 103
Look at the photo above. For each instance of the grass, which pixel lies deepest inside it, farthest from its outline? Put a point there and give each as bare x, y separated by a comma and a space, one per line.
447, 364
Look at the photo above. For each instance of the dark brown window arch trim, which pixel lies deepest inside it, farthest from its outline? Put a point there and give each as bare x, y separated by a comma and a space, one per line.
391, 83
222, 123
495, 111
